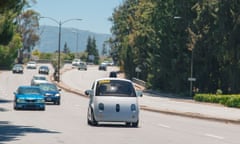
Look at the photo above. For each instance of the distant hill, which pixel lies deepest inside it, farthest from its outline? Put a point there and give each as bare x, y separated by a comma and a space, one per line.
49, 39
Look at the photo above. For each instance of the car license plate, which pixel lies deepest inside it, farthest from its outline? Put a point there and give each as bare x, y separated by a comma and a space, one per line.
49, 99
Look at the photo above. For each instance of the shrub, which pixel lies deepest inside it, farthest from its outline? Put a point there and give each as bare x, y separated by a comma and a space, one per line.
227, 100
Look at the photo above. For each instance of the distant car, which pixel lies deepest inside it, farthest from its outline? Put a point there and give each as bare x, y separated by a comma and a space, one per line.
113, 74
113, 100
82, 65
108, 63
29, 97
76, 62
31, 65
43, 70
37, 79
51, 92
17, 68
102, 66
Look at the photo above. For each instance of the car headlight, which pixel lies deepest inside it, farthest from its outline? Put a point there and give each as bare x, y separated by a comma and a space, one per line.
40, 100
133, 107
101, 106
57, 95
20, 100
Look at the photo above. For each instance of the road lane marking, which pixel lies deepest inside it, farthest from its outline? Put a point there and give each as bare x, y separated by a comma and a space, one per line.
164, 126
213, 136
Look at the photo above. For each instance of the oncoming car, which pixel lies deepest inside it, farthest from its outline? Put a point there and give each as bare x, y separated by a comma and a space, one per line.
43, 70
82, 65
37, 79
17, 68
113, 100
102, 66
51, 92
75, 62
31, 65
29, 97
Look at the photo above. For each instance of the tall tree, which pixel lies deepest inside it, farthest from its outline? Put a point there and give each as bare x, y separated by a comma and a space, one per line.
92, 51
28, 27
66, 49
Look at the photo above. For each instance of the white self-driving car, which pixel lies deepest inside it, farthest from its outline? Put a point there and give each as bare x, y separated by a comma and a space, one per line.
113, 100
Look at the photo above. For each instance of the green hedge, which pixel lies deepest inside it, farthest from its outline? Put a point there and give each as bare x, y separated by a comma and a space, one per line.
227, 100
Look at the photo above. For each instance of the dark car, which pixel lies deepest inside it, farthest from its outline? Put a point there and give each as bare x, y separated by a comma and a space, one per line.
51, 92
29, 97
43, 70
113, 74
17, 68
102, 66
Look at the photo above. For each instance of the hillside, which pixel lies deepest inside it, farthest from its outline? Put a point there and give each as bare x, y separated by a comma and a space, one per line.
49, 39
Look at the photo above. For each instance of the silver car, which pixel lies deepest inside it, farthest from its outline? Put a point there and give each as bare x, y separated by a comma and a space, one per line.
113, 100
37, 79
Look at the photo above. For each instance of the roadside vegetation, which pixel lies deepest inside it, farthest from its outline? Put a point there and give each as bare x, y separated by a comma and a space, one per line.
164, 38
230, 100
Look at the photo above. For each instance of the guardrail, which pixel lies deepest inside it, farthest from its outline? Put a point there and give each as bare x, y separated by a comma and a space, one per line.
139, 82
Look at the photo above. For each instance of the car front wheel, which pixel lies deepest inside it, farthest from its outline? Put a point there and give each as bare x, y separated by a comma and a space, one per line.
92, 120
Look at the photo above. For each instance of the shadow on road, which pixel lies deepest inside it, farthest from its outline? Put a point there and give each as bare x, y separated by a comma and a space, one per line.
9, 132
4, 101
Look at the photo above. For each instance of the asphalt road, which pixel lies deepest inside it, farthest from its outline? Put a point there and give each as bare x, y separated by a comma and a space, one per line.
67, 123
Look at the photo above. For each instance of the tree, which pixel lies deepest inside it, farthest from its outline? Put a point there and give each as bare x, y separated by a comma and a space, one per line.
91, 50
66, 49
104, 48
28, 26
10, 40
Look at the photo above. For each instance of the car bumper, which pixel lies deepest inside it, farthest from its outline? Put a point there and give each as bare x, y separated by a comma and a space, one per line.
17, 71
30, 106
53, 99
43, 72
117, 116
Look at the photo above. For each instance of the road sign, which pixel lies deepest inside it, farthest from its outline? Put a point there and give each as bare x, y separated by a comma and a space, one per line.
191, 79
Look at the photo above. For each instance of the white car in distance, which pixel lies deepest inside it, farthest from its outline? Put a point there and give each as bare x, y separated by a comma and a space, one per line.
37, 79
31, 65
76, 62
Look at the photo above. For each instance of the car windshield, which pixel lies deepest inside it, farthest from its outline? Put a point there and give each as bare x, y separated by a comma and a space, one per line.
115, 88
43, 67
48, 87
39, 78
18, 66
32, 62
29, 91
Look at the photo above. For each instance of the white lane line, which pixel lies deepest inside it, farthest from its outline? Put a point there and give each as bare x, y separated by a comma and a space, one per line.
213, 136
164, 126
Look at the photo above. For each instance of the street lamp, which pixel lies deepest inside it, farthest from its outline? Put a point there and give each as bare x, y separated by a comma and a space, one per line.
191, 79
60, 23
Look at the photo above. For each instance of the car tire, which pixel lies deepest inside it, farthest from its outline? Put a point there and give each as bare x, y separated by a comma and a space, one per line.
57, 102
128, 124
135, 124
14, 107
92, 121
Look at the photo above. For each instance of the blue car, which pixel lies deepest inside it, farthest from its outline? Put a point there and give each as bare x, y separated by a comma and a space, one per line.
51, 92
29, 97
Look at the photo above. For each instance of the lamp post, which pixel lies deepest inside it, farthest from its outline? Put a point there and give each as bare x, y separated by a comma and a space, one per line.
60, 23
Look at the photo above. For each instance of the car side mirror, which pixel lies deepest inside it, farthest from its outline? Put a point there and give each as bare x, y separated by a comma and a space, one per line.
88, 92
139, 93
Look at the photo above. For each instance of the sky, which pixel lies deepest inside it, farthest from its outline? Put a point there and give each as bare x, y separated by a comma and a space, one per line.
94, 13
